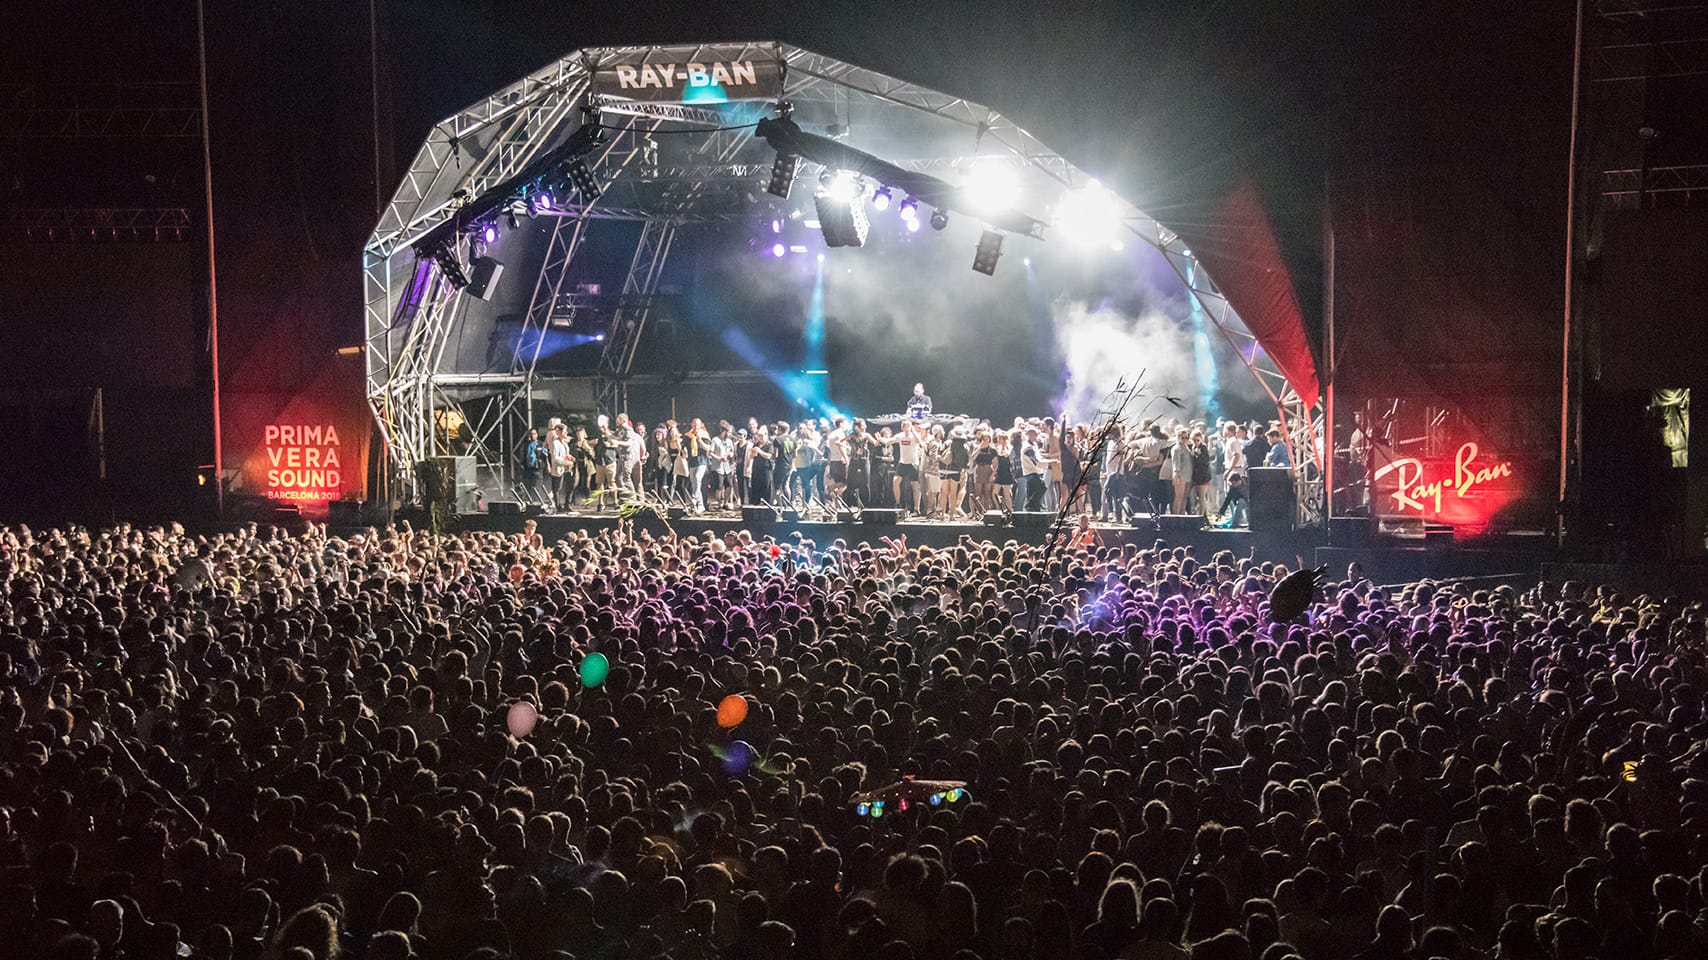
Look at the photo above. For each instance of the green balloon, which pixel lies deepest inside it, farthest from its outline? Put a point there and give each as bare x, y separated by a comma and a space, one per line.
594, 669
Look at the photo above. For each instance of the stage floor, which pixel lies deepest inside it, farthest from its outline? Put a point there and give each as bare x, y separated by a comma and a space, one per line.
921, 531
1385, 560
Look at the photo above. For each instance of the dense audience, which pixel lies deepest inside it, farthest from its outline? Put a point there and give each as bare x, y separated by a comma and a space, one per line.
255, 745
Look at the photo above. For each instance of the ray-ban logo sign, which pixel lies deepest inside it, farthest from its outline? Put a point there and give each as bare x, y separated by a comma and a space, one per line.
708, 80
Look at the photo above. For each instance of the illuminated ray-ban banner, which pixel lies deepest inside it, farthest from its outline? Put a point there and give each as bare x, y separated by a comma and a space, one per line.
697, 74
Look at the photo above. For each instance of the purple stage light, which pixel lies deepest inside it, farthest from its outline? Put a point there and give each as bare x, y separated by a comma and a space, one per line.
777, 250
913, 225
910, 210
545, 201
490, 232
881, 199
776, 226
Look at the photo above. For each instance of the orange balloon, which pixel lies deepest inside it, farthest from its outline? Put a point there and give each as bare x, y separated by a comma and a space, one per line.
732, 711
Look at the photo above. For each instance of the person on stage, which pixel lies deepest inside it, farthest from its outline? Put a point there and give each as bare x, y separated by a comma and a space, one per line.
836, 453
558, 463
919, 405
534, 455
1033, 466
860, 448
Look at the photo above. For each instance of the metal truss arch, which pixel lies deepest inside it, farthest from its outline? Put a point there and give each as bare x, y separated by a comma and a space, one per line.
411, 313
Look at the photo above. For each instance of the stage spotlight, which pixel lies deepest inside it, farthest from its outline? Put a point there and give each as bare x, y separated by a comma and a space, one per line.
991, 186
881, 199
989, 251
842, 186
544, 200
909, 210
776, 225
489, 232
783, 175
583, 180
777, 250
939, 219
1089, 217
913, 225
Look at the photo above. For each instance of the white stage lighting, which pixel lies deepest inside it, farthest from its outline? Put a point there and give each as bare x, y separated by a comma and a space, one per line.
842, 186
991, 186
1089, 217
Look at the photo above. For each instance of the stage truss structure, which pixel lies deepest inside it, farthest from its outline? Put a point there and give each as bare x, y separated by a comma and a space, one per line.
410, 317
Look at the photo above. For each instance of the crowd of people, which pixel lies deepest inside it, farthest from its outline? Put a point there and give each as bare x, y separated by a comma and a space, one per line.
944, 468
253, 745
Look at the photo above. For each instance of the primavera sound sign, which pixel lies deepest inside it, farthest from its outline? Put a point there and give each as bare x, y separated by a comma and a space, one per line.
304, 464
706, 74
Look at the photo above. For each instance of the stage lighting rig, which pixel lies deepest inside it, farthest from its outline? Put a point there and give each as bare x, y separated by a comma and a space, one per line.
939, 218
881, 199
989, 251
910, 210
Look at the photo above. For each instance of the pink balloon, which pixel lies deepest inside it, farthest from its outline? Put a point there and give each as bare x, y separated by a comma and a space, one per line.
521, 718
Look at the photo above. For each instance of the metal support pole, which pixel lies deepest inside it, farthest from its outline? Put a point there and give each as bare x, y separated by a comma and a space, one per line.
1571, 257
213, 283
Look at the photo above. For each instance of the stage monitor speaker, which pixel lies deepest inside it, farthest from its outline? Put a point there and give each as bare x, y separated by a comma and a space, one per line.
483, 277
1033, 519
1437, 536
845, 515
503, 508
881, 516
758, 514
1350, 531
462, 471
995, 518
1271, 493
1178, 523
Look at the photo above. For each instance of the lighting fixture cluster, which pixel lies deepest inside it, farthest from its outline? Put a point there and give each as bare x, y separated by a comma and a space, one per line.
554, 188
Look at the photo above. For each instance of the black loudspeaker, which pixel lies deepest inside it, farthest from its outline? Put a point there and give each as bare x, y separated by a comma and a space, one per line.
1437, 536
1349, 531
462, 470
344, 513
845, 515
995, 518
504, 508
1180, 523
881, 516
758, 515
1033, 519
483, 277
1271, 493
843, 221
